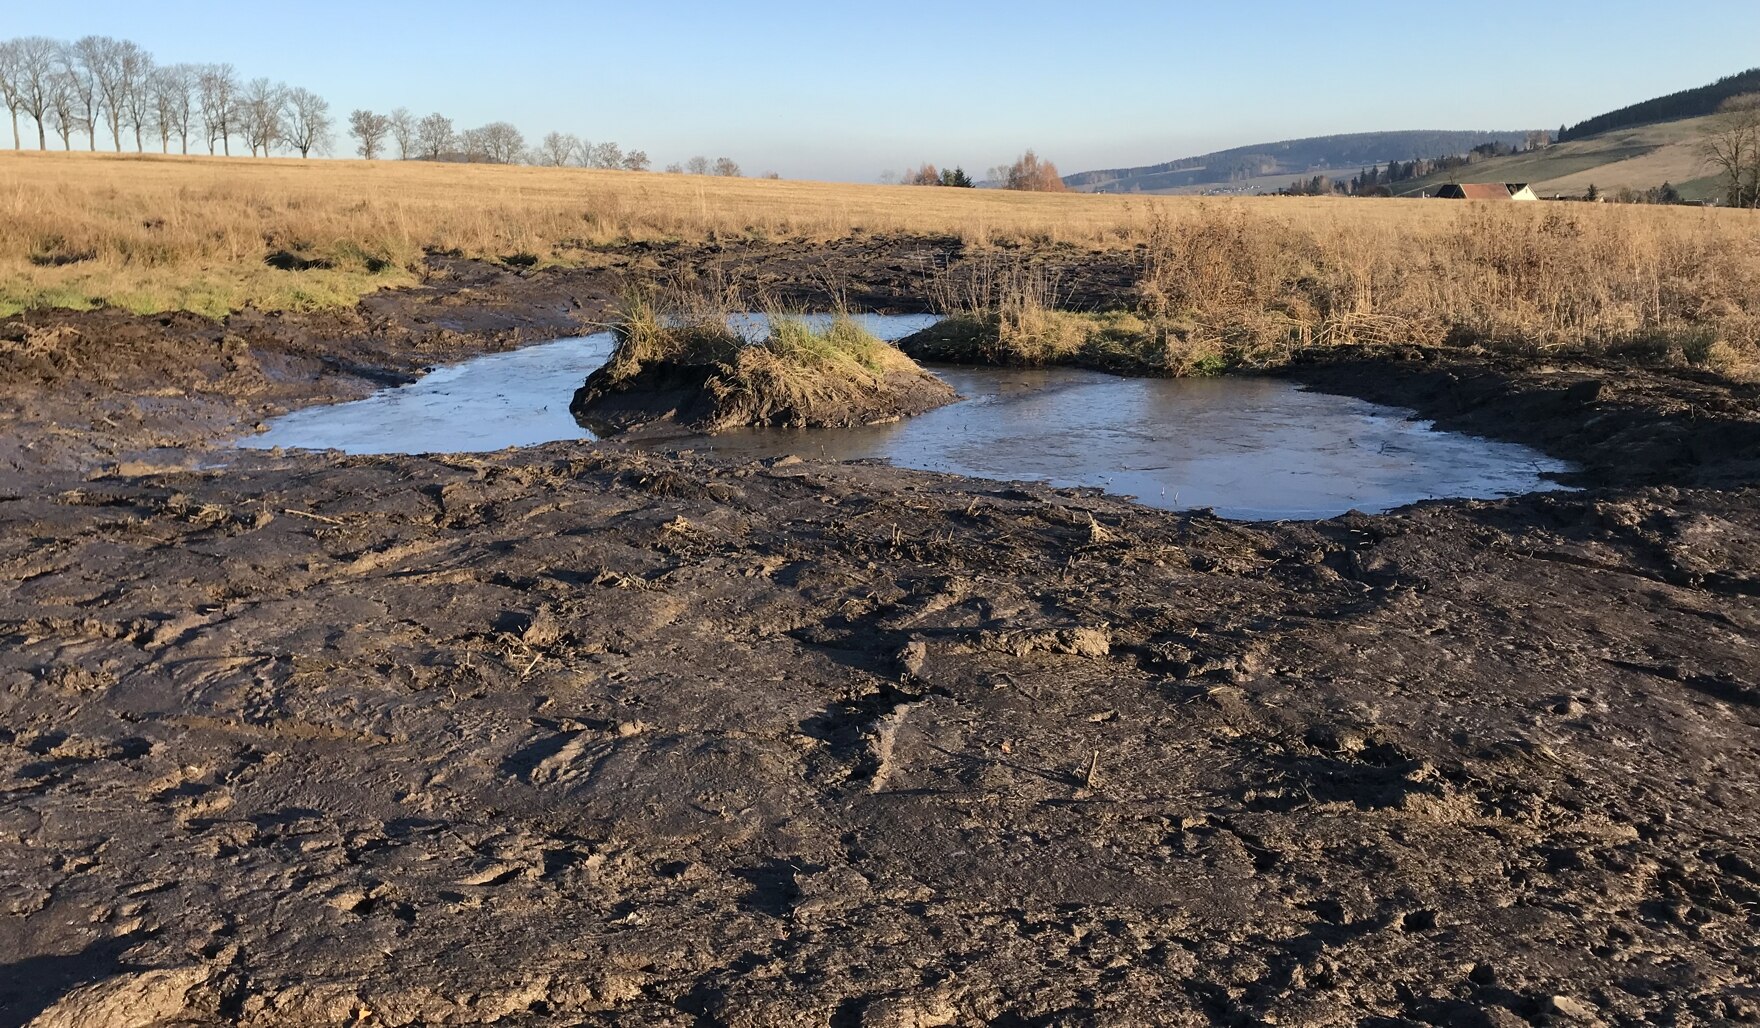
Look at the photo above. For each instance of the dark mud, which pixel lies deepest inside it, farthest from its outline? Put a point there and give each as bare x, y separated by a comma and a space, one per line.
590, 736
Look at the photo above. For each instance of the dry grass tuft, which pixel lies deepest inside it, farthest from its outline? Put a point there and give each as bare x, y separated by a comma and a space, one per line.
1224, 286
679, 359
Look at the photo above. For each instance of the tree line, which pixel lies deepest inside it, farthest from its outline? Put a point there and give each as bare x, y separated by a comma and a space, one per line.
1688, 103
1380, 180
927, 175
1029, 172
75, 89
72, 89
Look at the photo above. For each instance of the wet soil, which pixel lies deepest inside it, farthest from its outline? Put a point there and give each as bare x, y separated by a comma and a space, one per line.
587, 735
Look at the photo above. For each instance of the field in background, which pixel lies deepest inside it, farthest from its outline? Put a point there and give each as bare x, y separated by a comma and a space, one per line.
156, 233
213, 235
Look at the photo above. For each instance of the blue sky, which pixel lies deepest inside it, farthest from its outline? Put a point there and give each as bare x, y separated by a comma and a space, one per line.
843, 90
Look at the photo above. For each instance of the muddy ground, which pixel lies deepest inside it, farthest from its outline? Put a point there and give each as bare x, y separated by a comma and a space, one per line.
581, 735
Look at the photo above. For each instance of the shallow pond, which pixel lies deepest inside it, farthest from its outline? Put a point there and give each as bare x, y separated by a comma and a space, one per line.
1251, 448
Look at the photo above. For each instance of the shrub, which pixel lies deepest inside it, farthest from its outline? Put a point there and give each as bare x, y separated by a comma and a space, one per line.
1032, 174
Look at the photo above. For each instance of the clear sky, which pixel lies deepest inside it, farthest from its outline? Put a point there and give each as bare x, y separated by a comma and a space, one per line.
844, 90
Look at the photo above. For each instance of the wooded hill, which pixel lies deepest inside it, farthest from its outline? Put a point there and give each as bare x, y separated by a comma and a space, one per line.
1288, 158
1688, 103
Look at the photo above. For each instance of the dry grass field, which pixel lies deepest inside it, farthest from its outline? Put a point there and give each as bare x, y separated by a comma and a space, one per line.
154, 233
214, 235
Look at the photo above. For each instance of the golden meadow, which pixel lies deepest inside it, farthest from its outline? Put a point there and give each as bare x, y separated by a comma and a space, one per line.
161, 233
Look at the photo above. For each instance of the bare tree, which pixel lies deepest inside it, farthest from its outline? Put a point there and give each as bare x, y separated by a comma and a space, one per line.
557, 149
174, 101
262, 114
675, 168
134, 70
1031, 173
635, 160
1731, 145
434, 136
473, 146
86, 63
64, 107
371, 129
160, 93
9, 90
115, 71
602, 155
403, 129
726, 167
217, 86
35, 62
501, 143
307, 121
698, 165
166, 90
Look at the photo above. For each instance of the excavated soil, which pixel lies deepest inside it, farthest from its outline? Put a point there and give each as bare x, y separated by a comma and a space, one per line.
581, 735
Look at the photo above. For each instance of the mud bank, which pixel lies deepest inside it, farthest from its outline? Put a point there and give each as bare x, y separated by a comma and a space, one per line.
582, 735
84, 387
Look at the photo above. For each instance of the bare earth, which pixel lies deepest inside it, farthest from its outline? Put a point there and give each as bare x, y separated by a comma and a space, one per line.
589, 736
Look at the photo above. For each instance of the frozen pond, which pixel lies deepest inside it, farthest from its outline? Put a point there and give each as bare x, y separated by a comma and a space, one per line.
1251, 448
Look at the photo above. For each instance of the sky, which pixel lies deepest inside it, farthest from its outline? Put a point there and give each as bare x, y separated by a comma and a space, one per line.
844, 91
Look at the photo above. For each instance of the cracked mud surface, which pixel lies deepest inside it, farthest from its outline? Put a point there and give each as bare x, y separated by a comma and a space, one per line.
583, 735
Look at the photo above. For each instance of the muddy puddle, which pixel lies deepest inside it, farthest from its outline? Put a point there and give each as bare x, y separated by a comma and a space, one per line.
1249, 448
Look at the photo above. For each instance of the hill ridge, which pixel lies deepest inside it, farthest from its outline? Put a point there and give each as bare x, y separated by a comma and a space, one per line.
1677, 106
1298, 156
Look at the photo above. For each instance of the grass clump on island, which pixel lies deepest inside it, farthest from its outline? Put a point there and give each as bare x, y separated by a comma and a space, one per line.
681, 361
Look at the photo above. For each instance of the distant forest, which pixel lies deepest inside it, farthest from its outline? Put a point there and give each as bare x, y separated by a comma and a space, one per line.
1291, 156
1688, 103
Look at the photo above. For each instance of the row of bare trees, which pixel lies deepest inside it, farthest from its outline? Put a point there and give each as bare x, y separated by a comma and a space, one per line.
726, 167
76, 88
1029, 173
435, 138
561, 148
